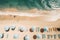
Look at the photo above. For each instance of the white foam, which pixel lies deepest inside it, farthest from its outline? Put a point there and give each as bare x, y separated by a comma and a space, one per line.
19, 14
53, 15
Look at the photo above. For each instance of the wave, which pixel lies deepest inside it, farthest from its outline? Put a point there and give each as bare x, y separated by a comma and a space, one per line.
30, 4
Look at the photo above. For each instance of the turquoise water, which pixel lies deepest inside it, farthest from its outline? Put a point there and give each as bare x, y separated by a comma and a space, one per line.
30, 4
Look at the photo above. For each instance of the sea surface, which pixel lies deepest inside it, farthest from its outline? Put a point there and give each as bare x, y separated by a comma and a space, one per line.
30, 4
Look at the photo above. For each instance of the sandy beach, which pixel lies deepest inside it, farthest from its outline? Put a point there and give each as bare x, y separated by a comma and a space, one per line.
28, 19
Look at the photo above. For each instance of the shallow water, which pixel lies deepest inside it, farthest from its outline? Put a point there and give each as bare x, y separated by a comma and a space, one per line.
53, 15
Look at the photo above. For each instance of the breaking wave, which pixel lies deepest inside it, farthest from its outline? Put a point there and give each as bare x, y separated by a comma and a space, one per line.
30, 4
